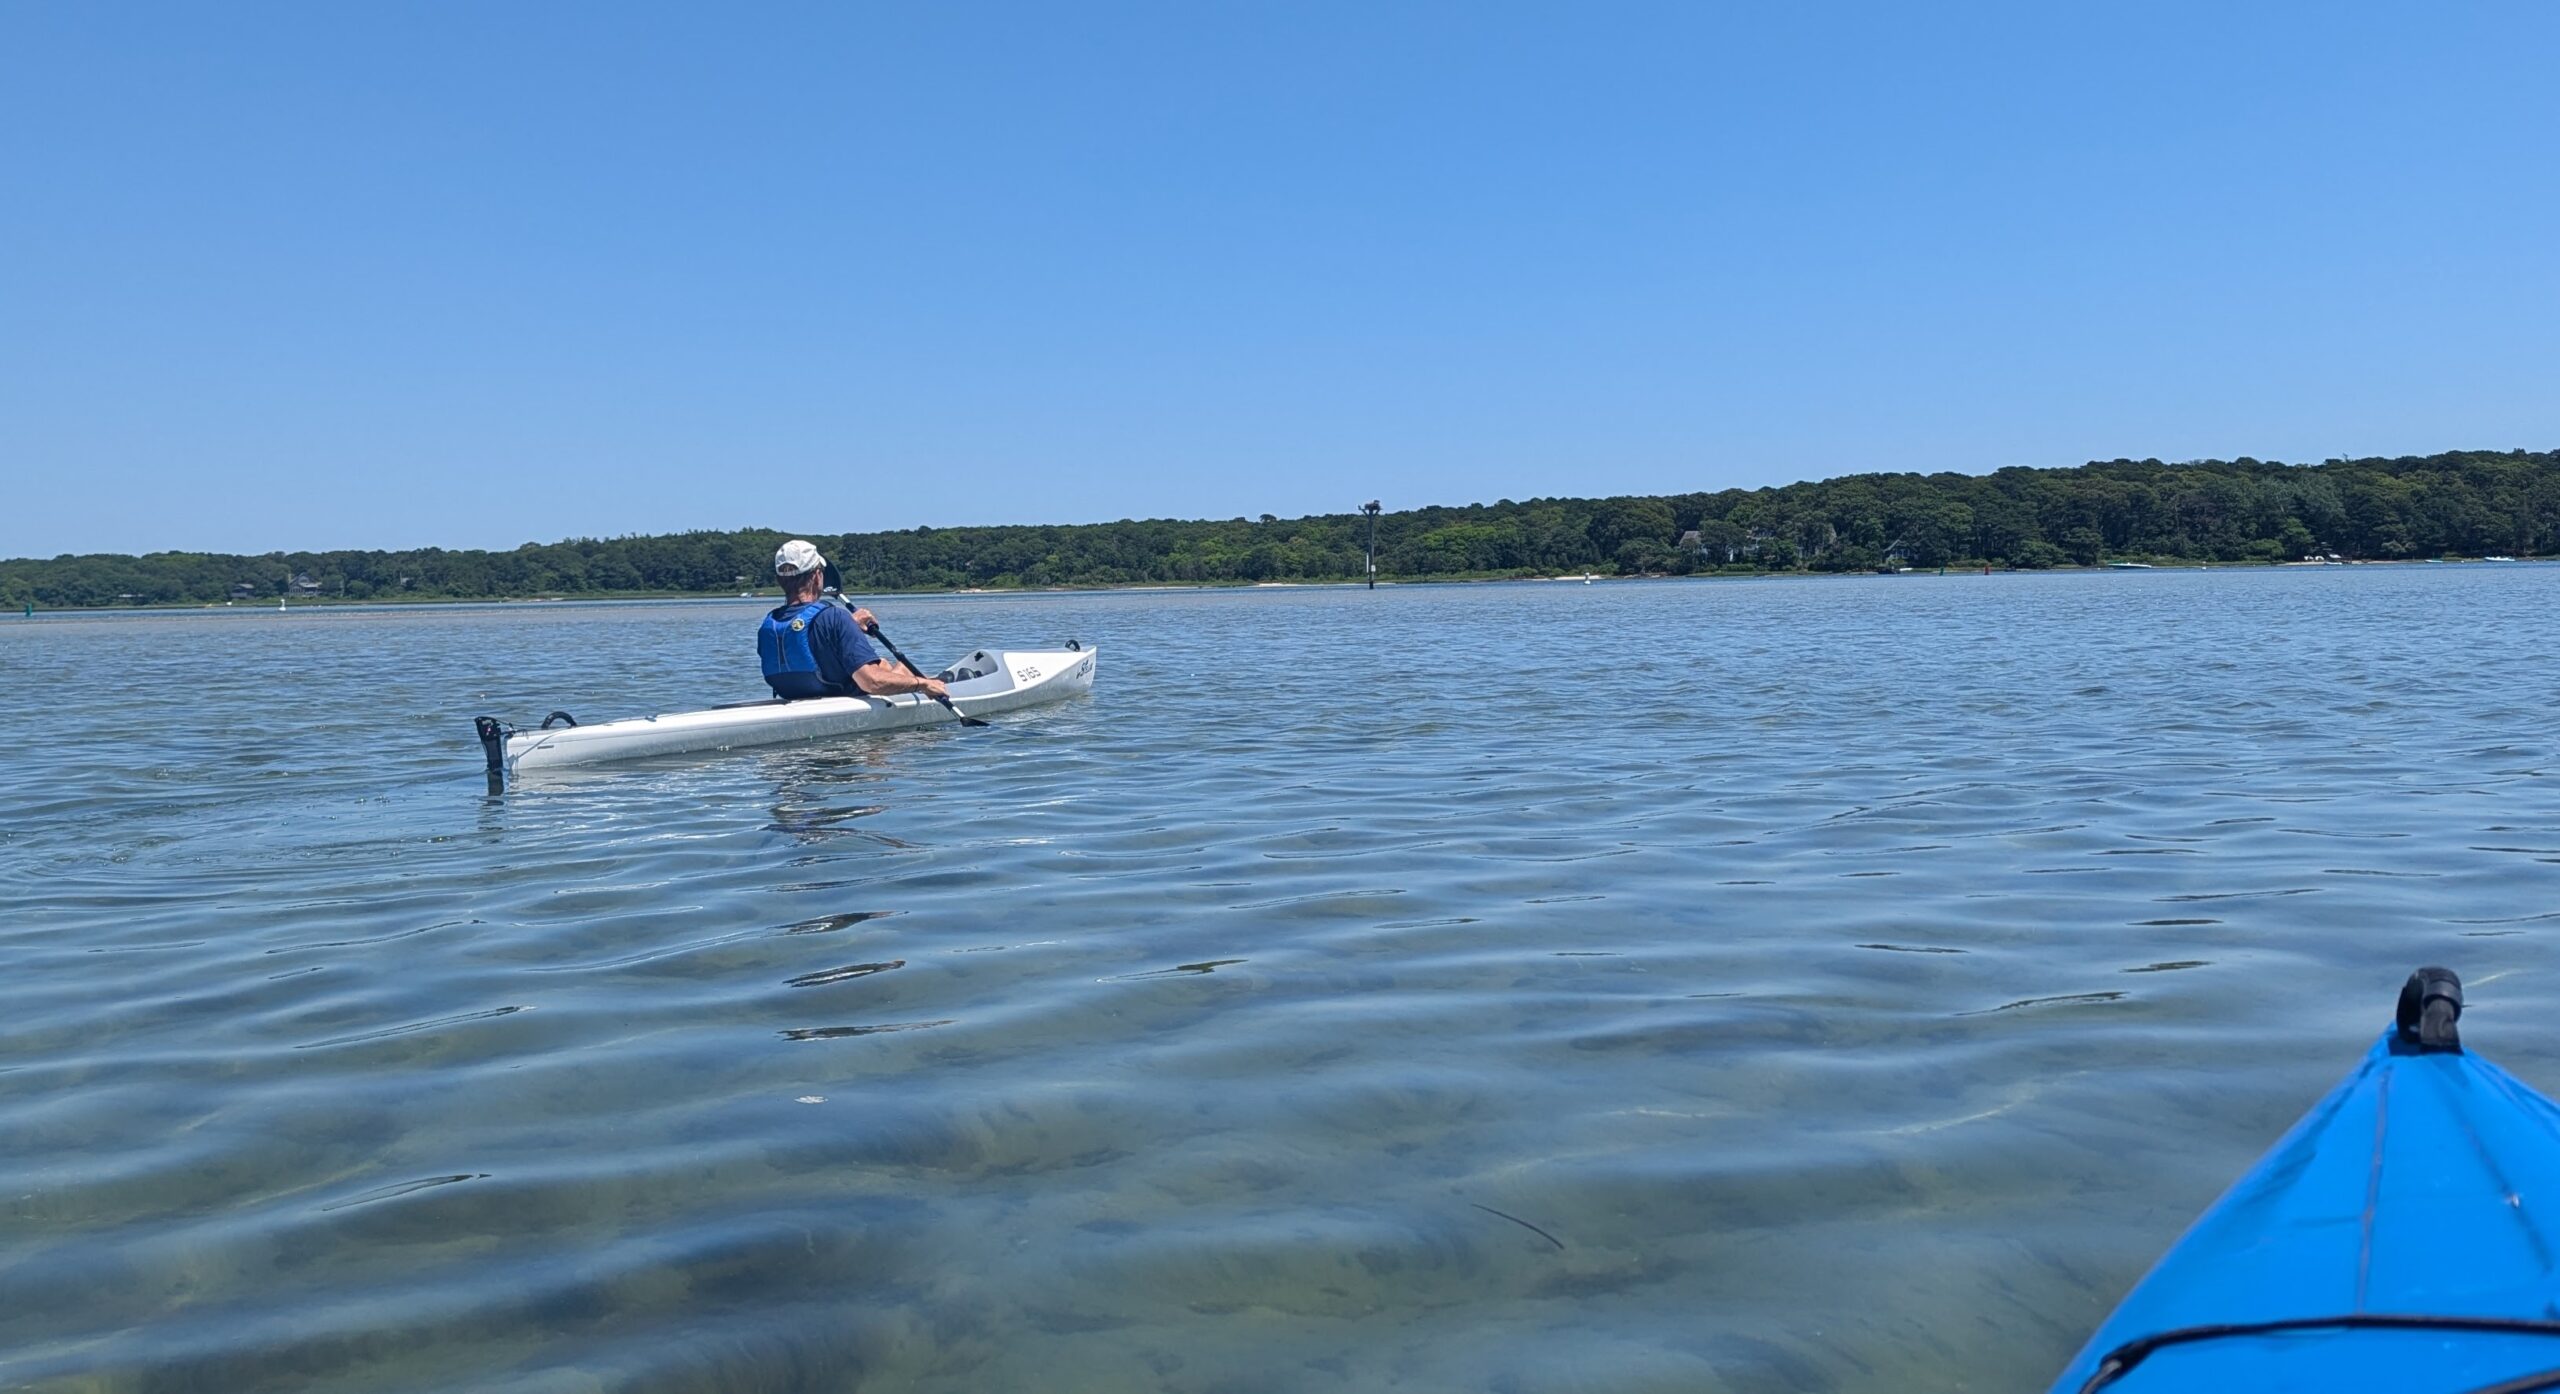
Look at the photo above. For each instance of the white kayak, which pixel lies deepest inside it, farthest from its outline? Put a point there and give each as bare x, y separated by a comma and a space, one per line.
983, 684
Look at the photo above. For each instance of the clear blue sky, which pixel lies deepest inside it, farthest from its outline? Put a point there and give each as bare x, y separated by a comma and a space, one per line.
376, 275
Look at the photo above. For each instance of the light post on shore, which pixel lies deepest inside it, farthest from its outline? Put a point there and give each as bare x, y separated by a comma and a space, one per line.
1371, 508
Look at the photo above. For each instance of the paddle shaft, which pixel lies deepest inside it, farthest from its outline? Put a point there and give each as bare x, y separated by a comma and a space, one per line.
834, 581
874, 631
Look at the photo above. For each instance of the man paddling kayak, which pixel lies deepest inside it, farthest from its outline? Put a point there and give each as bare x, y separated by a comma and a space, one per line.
812, 644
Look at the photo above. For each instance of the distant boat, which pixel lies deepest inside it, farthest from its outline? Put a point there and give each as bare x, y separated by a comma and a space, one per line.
279, 604
2129, 566
2497, 559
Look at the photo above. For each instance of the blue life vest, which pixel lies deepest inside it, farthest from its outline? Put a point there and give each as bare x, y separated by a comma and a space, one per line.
790, 664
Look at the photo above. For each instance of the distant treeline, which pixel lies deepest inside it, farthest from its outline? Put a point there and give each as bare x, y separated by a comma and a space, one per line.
2462, 504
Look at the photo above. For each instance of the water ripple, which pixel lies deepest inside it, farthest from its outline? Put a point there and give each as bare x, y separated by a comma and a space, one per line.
1281, 1017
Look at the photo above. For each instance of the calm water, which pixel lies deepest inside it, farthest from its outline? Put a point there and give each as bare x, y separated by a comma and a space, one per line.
1746, 986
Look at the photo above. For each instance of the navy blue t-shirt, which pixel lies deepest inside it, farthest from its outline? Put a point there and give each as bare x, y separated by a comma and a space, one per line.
840, 646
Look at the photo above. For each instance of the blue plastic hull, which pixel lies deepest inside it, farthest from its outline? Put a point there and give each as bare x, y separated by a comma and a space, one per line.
2425, 1186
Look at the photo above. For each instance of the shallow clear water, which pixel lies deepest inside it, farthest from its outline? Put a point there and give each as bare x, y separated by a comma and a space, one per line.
1732, 986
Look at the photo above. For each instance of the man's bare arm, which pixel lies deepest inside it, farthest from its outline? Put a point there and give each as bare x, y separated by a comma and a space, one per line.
884, 679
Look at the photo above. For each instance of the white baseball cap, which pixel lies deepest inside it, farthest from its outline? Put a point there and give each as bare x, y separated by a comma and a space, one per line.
795, 557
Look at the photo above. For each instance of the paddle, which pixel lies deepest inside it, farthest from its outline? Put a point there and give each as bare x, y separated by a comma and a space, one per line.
835, 587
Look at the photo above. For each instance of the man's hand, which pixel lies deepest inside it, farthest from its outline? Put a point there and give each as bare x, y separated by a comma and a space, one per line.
863, 619
933, 688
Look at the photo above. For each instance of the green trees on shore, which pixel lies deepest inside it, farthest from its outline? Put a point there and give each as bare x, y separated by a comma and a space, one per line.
2464, 504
